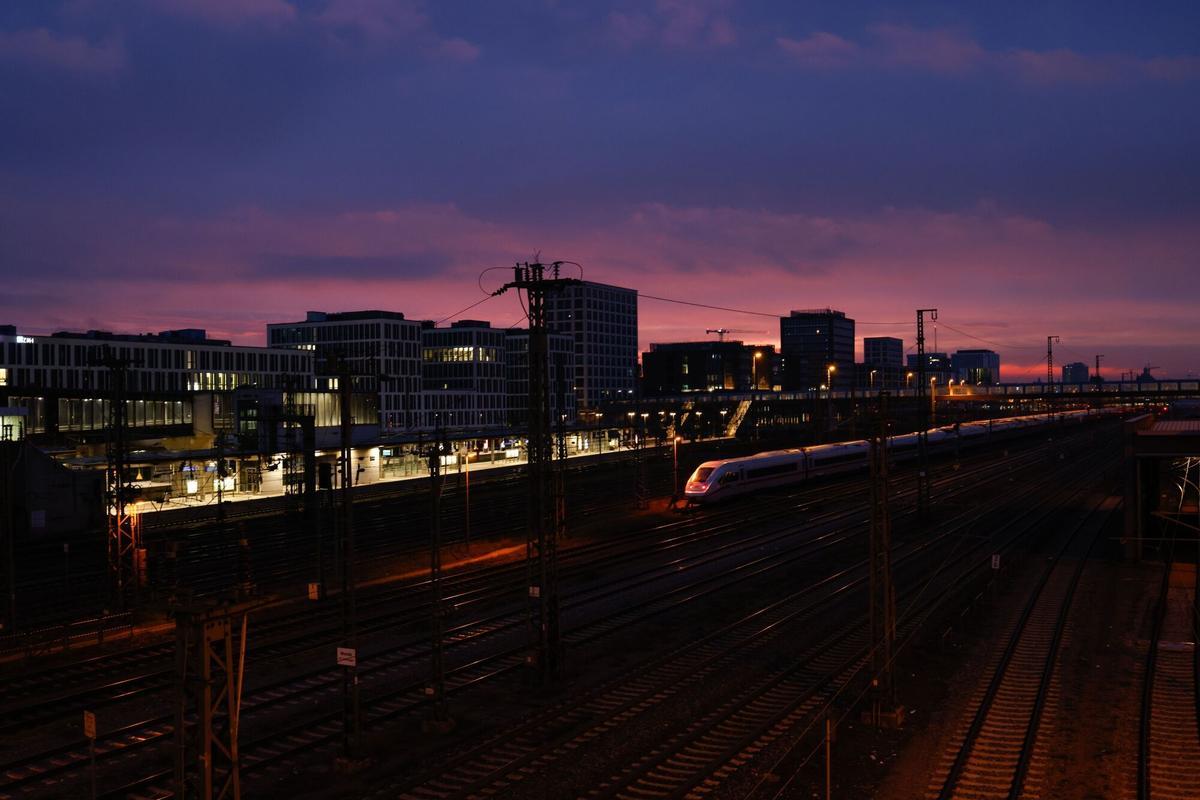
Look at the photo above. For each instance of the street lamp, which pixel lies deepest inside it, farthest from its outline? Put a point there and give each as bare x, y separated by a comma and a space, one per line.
829, 370
932, 401
756, 378
675, 479
724, 411
871, 378
699, 425
908, 381
632, 433
600, 431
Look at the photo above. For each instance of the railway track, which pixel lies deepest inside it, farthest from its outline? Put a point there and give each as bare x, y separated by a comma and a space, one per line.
31, 698
1169, 739
721, 740
995, 742
706, 757
265, 752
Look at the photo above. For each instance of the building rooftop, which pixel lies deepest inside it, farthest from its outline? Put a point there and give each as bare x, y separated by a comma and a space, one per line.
181, 336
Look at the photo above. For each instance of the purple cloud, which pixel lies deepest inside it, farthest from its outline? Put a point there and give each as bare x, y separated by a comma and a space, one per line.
43, 48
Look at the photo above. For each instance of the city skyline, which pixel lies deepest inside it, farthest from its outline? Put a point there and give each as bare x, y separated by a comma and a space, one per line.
171, 163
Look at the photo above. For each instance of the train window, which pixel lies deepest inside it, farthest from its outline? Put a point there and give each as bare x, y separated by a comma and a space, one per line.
767, 472
729, 477
703, 473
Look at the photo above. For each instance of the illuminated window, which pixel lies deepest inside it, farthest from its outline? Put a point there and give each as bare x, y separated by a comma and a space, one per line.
3, 376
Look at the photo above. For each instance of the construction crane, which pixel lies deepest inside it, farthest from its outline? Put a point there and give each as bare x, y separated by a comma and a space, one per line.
720, 332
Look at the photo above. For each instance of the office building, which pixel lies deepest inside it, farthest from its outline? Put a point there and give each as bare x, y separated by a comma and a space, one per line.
560, 371
977, 367
603, 321
883, 363
1076, 372
883, 351
812, 341
937, 365
682, 367
381, 350
463, 376
61, 382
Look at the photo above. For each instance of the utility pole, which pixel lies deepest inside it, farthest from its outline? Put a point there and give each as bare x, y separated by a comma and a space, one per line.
439, 715
1097, 377
544, 525
126, 556
10, 454
348, 652
639, 461
883, 596
1050, 340
923, 416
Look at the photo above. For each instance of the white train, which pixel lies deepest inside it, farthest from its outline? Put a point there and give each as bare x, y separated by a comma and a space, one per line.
714, 481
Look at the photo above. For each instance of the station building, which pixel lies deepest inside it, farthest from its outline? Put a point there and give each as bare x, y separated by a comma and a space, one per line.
64, 386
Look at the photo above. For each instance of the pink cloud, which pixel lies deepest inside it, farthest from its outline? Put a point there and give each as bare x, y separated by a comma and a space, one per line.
381, 24
675, 24
376, 20
42, 47
821, 49
457, 49
935, 50
952, 52
993, 274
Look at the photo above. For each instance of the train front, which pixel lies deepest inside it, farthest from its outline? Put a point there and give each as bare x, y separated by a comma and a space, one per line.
702, 482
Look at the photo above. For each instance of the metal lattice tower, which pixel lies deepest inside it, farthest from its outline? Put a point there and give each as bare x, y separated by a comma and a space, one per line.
922, 416
126, 557
210, 669
1050, 340
546, 520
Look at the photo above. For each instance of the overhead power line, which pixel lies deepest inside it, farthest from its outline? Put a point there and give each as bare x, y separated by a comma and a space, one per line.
465, 310
772, 314
989, 341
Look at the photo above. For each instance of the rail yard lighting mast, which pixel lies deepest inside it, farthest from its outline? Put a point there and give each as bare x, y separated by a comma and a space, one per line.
923, 429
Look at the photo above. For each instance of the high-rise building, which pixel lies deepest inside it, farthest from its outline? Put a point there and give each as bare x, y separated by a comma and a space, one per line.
812, 341
463, 376
603, 321
381, 349
560, 371
978, 367
1076, 372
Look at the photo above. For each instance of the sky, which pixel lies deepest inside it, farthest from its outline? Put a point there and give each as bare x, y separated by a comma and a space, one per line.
1028, 169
